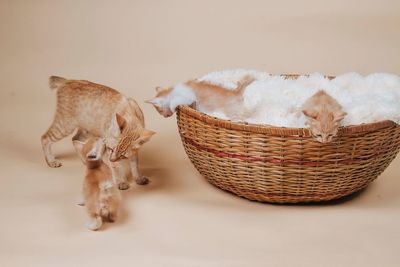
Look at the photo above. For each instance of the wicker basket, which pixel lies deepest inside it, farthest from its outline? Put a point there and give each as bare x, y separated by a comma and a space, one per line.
285, 165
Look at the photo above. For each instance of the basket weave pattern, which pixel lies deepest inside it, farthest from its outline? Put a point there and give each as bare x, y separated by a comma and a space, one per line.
285, 165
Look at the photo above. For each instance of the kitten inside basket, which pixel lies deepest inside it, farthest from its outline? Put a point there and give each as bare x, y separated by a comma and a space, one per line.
313, 101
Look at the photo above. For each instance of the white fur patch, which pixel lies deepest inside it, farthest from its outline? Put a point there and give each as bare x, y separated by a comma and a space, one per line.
275, 101
181, 95
229, 78
94, 223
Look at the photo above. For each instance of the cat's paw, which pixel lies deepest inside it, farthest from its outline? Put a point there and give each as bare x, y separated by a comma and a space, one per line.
94, 224
143, 180
54, 164
123, 186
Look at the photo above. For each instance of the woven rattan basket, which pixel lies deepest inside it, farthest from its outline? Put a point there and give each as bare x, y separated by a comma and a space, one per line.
285, 165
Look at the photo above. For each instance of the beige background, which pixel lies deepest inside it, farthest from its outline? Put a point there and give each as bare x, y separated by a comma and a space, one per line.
179, 219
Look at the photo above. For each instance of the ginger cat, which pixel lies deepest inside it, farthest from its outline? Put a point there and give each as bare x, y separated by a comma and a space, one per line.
323, 114
103, 112
101, 195
203, 96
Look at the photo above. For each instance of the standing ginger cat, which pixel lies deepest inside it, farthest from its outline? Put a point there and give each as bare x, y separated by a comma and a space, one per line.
324, 114
102, 112
101, 195
206, 97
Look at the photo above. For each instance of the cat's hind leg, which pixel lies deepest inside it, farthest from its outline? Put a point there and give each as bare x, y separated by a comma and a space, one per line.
59, 129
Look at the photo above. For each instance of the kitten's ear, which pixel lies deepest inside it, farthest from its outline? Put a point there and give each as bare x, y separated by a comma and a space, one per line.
340, 116
157, 101
309, 113
117, 124
145, 136
78, 145
158, 89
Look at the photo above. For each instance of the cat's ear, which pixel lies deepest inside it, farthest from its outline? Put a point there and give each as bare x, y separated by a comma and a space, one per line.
340, 116
117, 124
158, 89
120, 121
310, 113
145, 136
157, 101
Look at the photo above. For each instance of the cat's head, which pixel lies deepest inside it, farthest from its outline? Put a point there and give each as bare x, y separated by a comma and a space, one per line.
125, 139
167, 100
324, 125
90, 151
161, 101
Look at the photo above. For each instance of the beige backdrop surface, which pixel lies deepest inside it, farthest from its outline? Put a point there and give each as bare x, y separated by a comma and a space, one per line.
179, 219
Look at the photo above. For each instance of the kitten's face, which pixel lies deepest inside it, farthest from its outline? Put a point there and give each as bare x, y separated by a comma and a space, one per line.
124, 141
324, 126
160, 102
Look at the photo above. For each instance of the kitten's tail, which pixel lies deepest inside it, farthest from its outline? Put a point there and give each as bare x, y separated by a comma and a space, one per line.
56, 82
244, 82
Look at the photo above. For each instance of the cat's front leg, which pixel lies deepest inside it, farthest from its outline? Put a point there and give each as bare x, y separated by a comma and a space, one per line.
119, 175
140, 180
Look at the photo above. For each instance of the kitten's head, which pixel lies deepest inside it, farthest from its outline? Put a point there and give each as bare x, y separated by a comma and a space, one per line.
161, 103
125, 139
90, 151
324, 125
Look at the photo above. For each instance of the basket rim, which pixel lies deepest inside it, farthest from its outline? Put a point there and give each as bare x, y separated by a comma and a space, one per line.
279, 131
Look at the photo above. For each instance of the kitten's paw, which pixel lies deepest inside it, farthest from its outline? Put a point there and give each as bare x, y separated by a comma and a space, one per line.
54, 164
94, 224
123, 186
142, 180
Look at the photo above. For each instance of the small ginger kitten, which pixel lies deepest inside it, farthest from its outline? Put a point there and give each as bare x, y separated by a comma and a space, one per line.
101, 195
203, 96
100, 111
324, 115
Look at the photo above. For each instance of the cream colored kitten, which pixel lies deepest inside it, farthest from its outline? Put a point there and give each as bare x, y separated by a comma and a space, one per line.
103, 112
323, 114
101, 195
205, 97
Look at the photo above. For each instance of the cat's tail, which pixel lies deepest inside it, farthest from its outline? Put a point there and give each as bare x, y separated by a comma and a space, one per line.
244, 82
56, 82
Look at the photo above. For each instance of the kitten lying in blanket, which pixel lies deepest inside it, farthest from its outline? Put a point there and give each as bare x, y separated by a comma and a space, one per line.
203, 96
323, 114
101, 195
100, 111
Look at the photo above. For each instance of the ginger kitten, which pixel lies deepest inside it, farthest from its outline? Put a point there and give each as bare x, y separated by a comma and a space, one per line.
203, 96
101, 195
323, 114
100, 111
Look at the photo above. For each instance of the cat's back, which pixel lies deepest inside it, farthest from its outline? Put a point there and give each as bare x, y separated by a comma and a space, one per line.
83, 90
319, 99
88, 104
